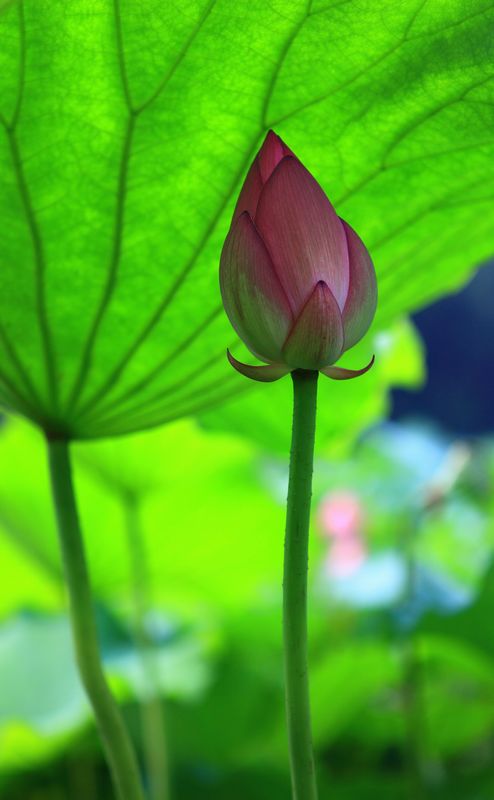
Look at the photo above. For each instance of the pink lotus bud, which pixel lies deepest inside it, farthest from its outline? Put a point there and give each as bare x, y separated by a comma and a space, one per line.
297, 283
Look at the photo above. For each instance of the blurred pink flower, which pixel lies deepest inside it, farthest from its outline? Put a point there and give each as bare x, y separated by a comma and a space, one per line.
341, 520
341, 515
345, 556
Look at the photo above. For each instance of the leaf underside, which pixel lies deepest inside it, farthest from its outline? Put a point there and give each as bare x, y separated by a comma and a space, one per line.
126, 130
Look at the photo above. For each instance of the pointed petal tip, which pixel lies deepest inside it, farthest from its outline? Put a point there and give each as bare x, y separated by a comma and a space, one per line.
342, 374
273, 150
274, 139
271, 135
267, 373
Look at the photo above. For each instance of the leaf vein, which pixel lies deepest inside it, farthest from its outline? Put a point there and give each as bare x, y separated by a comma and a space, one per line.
161, 366
19, 366
113, 267
180, 57
40, 265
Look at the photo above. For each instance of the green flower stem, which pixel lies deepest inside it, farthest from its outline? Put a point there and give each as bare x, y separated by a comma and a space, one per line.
116, 741
412, 690
151, 708
295, 585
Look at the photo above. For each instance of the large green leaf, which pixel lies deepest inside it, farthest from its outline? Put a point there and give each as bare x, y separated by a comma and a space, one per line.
126, 131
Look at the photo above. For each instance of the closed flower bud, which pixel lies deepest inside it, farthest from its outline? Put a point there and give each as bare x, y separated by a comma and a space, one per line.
297, 282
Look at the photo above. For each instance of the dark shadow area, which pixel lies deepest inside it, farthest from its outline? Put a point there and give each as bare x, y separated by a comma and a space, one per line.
458, 334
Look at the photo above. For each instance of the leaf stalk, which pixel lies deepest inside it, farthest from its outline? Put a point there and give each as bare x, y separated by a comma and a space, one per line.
116, 741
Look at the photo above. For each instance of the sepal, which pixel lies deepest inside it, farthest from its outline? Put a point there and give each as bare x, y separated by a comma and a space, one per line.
267, 373
342, 374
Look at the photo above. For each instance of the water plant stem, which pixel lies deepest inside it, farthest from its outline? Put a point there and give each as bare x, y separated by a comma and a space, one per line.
153, 727
116, 741
295, 585
412, 690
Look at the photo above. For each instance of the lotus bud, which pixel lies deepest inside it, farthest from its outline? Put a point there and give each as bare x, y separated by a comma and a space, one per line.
297, 283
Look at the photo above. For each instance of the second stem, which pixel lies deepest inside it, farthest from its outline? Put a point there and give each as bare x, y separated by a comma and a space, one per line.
151, 706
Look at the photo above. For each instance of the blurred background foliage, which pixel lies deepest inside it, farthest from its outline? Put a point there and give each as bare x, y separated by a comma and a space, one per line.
402, 587
390, 105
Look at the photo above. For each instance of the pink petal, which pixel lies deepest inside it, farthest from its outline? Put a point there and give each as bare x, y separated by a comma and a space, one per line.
303, 233
342, 374
360, 305
266, 373
267, 159
253, 297
250, 192
273, 150
316, 338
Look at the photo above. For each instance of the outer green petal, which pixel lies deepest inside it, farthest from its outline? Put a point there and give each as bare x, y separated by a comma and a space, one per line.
316, 338
254, 299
